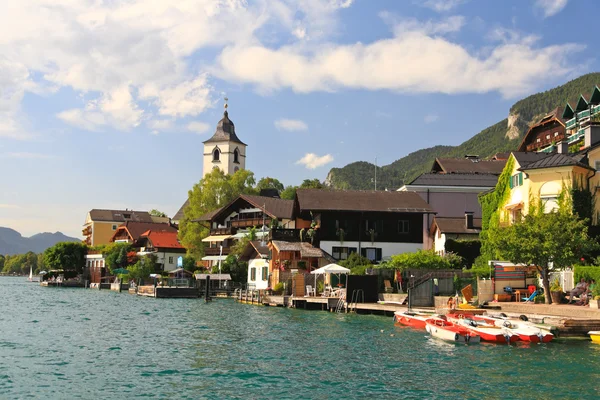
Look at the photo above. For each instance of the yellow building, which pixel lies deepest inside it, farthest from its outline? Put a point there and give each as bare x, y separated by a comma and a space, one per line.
542, 176
100, 225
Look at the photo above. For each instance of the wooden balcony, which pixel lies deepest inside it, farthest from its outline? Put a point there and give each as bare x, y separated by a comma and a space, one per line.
215, 251
247, 223
222, 231
87, 231
288, 235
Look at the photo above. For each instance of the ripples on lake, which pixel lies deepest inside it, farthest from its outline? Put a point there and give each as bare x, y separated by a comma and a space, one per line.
78, 343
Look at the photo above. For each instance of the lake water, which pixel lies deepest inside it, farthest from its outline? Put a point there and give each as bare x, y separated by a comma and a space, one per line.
81, 343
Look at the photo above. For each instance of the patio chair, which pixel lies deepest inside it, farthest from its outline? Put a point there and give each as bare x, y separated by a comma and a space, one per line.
327, 291
530, 298
310, 291
388, 286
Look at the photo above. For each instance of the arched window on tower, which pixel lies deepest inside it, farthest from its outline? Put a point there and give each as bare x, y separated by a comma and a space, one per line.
216, 155
236, 156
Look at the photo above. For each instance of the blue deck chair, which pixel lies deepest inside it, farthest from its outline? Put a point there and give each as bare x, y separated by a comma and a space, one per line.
530, 298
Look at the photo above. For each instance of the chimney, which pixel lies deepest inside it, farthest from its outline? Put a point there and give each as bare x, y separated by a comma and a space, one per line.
562, 147
469, 219
592, 135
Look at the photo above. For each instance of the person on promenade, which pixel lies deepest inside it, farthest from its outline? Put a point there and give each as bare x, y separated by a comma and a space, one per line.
578, 290
585, 296
451, 304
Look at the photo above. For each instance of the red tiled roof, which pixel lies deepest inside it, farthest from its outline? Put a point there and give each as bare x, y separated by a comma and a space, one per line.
136, 229
163, 239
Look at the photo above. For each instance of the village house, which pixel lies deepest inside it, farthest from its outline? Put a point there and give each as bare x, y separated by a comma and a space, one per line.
162, 244
100, 225
445, 228
453, 185
234, 221
544, 134
374, 224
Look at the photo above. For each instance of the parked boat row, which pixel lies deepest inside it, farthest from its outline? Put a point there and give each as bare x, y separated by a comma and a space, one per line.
467, 328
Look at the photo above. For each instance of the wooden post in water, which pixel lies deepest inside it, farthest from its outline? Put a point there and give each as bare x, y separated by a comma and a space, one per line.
207, 297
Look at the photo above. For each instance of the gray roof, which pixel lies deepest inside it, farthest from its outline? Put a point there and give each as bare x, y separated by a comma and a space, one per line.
525, 158
457, 225
179, 214
361, 200
553, 161
469, 166
225, 131
120, 215
433, 179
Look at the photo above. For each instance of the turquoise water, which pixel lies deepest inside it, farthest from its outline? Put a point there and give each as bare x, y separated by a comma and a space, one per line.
78, 343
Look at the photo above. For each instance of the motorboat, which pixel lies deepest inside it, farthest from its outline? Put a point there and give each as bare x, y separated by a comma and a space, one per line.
526, 331
412, 319
595, 336
487, 332
446, 330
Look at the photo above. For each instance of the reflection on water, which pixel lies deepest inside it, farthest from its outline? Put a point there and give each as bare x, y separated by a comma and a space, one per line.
77, 343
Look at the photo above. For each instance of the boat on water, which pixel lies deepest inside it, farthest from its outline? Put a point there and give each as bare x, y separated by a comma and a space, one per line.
30, 279
595, 336
446, 330
487, 332
412, 319
526, 331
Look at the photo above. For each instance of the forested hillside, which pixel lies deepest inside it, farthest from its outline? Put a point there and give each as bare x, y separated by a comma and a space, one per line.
503, 136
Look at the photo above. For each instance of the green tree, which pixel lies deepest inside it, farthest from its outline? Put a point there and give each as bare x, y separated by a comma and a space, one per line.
425, 259
142, 269
66, 256
289, 193
311, 184
269, 183
155, 213
189, 263
548, 241
212, 192
233, 266
356, 263
115, 255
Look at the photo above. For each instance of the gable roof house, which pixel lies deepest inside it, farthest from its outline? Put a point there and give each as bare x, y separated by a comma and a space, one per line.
444, 228
163, 244
234, 220
100, 225
453, 186
375, 224
132, 231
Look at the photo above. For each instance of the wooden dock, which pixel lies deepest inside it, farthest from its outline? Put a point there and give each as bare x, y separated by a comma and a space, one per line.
168, 292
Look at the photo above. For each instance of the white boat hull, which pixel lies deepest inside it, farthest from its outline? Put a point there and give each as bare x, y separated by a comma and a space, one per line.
448, 335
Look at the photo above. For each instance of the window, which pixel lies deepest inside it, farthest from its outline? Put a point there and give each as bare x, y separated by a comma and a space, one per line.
114, 227
171, 260
253, 274
127, 216
236, 156
555, 134
548, 136
403, 226
265, 273
372, 253
216, 155
538, 140
342, 253
516, 180
550, 204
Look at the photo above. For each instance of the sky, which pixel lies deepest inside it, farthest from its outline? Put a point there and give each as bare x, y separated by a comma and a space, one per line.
106, 103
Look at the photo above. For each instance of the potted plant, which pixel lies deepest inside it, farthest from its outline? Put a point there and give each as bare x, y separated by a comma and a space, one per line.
556, 291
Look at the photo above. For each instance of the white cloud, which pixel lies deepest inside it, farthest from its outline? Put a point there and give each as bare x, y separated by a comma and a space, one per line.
290, 125
441, 5
312, 161
550, 7
414, 61
198, 127
431, 118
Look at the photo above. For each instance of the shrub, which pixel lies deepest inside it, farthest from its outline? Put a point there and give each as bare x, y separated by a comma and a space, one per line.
587, 273
278, 289
425, 259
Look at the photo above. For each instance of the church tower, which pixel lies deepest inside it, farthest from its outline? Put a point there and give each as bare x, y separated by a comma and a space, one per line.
224, 150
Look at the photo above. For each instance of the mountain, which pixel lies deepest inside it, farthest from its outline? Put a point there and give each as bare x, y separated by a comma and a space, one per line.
11, 241
503, 136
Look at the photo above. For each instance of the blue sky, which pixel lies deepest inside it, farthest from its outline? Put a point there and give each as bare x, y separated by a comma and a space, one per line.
105, 104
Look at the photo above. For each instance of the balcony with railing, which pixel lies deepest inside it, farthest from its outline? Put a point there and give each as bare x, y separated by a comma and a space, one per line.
87, 230
249, 222
288, 235
223, 231
572, 123
576, 137
215, 251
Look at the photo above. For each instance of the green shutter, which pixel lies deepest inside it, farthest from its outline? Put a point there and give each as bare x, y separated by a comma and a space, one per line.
510, 182
520, 178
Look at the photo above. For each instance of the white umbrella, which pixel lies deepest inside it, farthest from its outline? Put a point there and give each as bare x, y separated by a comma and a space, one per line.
330, 269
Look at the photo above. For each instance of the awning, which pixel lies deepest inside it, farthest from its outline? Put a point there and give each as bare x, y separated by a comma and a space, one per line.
514, 205
214, 258
216, 238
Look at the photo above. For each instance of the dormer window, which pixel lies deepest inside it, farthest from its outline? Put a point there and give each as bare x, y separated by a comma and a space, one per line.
236, 156
216, 155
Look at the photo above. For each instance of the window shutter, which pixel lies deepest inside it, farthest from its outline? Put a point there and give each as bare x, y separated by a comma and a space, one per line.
379, 254
510, 182
520, 178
